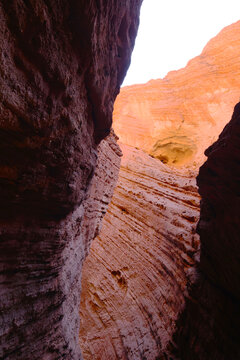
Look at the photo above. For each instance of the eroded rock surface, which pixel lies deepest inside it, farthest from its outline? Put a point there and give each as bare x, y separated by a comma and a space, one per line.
136, 275
176, 118
101, 188
145, 294
61, 66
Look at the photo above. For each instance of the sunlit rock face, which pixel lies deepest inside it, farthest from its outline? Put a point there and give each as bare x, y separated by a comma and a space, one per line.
62, 63
136, 276
145, 293
176, 118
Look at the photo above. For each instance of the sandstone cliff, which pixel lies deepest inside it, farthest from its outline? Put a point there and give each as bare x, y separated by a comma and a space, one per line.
176, 118
62, 63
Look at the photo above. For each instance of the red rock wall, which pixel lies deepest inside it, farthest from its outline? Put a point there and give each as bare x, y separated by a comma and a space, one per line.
62, 63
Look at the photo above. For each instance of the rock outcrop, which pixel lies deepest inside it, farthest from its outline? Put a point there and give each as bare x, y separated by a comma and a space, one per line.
136, 276
176, 118
211, 318
62, 63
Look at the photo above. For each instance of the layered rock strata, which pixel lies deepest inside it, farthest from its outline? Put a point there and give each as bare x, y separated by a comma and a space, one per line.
136, 276
61, 67
176, 118
151, 299
211, 319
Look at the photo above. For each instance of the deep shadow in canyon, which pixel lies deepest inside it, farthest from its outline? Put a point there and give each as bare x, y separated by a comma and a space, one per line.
209, 325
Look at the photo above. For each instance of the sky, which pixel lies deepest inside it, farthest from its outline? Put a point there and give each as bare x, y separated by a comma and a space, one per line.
172, 32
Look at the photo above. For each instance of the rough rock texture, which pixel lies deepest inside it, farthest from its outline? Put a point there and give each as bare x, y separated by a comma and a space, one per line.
176, 118
211, 319
61, 65
145, 295
135, 277
101, 188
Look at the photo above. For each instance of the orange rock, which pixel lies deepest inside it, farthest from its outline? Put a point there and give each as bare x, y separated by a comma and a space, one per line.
176, 118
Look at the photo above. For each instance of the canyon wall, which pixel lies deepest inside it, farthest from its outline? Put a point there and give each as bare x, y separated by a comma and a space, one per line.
146, 293
211, 318
176, 118
136, 276
62, 63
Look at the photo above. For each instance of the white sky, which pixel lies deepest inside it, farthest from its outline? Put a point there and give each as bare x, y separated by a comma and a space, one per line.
172, 32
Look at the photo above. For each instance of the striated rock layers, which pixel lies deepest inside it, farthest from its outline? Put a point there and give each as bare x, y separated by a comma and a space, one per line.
136, 276
176, 118
61, 66
146, 294
211, 319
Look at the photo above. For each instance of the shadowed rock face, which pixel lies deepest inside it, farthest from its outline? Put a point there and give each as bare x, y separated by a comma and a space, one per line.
212, 318
62, 63
176, 118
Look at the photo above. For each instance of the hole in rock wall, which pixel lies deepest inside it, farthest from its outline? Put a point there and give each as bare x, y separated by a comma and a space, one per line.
145, 261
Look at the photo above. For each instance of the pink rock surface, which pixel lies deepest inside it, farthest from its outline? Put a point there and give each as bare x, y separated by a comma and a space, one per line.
136, 275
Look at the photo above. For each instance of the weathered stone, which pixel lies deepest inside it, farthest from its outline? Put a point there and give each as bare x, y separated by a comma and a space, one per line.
136, 276
62, 63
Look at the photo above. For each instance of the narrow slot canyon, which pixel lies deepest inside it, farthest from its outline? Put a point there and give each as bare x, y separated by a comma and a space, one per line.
139, 276
119, 235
